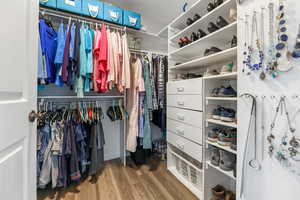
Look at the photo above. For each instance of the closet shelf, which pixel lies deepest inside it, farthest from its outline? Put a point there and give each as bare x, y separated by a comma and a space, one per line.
198, 7
220, 38
75, 97
230, 76
222, 98
226, 148
229, 174
222, 10
218, 122
225, 55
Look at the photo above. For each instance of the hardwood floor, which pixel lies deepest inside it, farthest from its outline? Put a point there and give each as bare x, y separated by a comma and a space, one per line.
148, 182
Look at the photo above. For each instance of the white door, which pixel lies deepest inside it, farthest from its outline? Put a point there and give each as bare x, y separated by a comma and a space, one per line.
18, 61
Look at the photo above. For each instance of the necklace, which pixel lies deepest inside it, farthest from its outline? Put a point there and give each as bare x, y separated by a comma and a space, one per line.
262, 75
246, 43
271, 67
249, 64
282, 52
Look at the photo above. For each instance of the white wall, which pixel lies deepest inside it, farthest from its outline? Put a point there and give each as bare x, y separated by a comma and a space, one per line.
273, 182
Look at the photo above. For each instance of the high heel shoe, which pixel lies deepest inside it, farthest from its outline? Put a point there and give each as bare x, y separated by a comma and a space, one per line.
210, 7
212, 27
196, 17
221, 22
194, 37
189, 21
201, 33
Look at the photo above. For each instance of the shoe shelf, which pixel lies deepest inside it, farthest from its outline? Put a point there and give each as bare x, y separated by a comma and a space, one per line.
226, 148
220, 37
229, 76
227, 173
222, 10
225, 55
221, 98
218, 122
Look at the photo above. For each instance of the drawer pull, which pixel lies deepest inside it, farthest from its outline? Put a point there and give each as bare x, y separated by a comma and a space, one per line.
180, 103
180, 117
180, 131
180, 89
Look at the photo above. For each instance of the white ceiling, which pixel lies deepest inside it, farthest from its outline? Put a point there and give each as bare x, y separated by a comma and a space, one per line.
156, 14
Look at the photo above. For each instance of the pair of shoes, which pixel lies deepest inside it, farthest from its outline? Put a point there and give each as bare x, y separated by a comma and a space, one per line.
224, 92
184, 41
224, 114
213, 5
222, 137
211, 51
190, 21
221, 158
211, 72
196, 36
221, 22
229, 68
221, 193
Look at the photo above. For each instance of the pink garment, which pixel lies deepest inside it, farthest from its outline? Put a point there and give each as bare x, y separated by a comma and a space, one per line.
103, 57
125, 74
110, 62
137, 85
96, 50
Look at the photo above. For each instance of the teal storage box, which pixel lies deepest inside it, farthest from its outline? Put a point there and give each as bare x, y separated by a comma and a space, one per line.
113, 13
93, 8
131, 19
70, 5
48, 3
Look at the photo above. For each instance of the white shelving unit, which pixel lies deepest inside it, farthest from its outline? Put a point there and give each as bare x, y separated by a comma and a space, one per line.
191, 59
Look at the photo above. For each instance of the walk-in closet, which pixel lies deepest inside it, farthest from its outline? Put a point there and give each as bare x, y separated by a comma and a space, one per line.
149, 100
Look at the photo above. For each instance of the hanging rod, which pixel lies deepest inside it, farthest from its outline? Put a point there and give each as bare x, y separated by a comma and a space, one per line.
81, 98
90, 20
146, 52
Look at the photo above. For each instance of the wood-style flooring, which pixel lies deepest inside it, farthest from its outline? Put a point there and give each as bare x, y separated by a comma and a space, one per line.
147, 182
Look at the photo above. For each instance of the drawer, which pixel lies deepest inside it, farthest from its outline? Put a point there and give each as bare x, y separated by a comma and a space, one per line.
48, 3
192, 149
191, 86
113, 13
93, 8
131, 19
190, 117
184, 130
70, 5
193, 102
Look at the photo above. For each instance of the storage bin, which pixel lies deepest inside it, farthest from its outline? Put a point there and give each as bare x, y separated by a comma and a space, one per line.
48, 3
93, 8
131, 19
73, 6
113, 13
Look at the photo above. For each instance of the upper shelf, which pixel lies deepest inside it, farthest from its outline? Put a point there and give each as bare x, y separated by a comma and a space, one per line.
222, 10
219, 38
225, 55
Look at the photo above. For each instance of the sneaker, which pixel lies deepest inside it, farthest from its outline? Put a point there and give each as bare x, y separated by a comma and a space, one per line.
227, 160
233, 144
227, 92
216, 113
227, 68
218, 191
224, 138
213, 134
227, 115
214, 156
211, 72
215, 92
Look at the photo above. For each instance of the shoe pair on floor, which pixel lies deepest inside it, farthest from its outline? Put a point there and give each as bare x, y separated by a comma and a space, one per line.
220, 193
223, 137
223, 159
224, 114
224, 92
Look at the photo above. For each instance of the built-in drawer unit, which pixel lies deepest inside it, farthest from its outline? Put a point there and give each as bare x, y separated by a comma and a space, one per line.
190, 132
190, 87
193, 102
191, 148
190, 117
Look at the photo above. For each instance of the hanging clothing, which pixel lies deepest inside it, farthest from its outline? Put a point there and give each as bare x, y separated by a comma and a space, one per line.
96, 50
137, 85
126, 69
